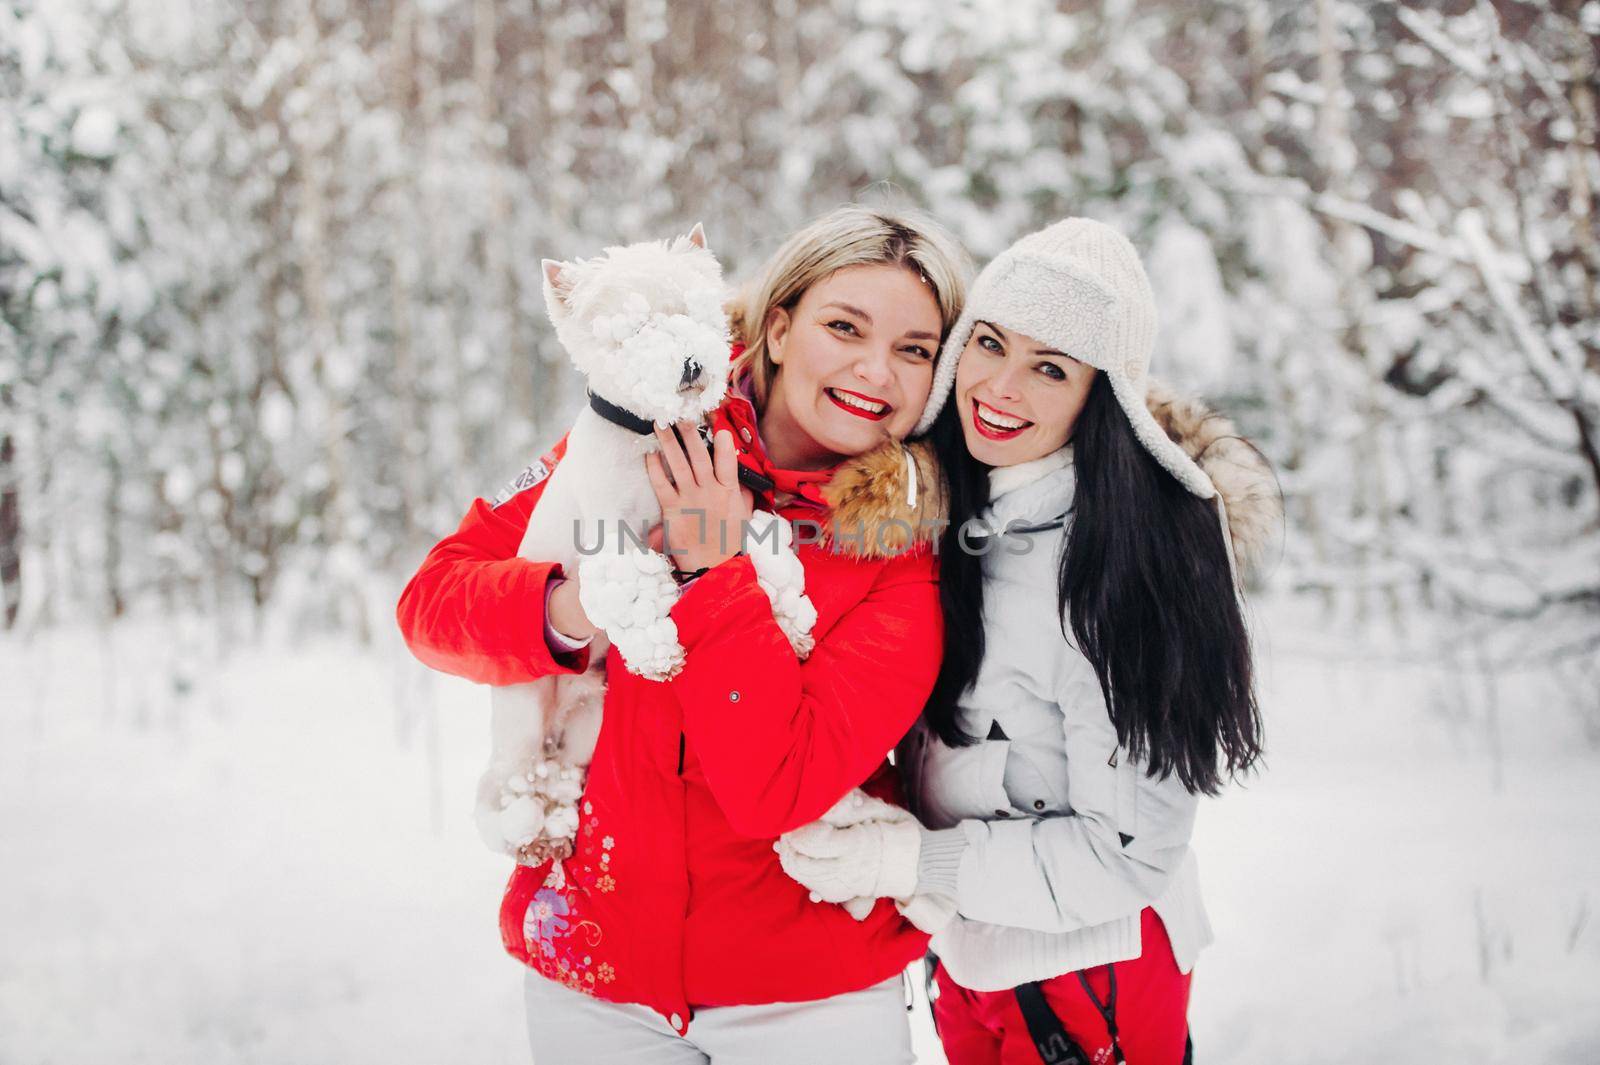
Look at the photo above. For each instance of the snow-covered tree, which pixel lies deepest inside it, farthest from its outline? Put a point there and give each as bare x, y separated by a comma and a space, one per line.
270, 271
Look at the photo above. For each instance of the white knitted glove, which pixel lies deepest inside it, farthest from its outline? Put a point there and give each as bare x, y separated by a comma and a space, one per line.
927, 910
857, 807
873, 859
860, 907
630, 595
783, 578
524, 811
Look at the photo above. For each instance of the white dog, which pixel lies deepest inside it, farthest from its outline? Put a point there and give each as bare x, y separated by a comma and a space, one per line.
645, 325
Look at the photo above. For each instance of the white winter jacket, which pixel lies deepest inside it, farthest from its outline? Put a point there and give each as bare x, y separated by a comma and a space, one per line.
1057, 839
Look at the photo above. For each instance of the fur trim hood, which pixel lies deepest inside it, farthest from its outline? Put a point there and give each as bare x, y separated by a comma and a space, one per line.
887, 500
894, 497
1243, 479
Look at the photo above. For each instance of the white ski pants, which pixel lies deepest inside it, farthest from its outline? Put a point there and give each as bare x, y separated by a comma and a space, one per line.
867, 1027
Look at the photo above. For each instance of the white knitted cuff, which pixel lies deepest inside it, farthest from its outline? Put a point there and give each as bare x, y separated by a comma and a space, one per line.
939, 862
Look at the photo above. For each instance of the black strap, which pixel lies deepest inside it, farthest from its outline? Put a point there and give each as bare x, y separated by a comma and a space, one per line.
752, 480
1049, 1035
1106, 1009
624, 419
684, 576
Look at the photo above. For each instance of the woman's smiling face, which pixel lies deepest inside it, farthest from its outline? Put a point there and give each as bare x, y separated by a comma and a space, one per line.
855, 364
1020, 398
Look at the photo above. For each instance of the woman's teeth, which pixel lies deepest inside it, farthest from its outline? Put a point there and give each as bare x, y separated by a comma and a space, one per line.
1000, 423
858, 405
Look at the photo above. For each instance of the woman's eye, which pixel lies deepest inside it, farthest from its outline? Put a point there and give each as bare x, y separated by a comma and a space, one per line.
842, 326
1052, 371
990, 343
919, 351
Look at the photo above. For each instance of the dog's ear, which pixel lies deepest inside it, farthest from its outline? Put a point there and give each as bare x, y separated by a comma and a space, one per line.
557, 289
554, 280
697, 235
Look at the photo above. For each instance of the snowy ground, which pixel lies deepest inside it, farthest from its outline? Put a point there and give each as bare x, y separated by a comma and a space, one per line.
273, 862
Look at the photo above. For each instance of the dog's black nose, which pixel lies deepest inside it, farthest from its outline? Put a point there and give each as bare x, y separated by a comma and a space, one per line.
691, 373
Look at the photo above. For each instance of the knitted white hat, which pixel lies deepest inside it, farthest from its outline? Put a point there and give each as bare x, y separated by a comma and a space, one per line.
1078, 286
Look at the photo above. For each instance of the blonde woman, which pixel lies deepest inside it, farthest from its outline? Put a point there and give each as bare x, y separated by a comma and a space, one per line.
676, 936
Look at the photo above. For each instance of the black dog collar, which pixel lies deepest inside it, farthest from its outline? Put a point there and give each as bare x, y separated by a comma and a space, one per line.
630, 421
624, 419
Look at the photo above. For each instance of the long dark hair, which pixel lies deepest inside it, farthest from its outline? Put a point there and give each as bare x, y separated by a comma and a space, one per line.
1145, 584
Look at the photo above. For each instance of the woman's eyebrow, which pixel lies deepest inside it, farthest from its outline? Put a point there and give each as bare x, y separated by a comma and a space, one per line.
857, 311
1001, 333
915, 334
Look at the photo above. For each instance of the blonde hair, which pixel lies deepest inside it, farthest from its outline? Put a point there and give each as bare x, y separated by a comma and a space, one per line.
852, 235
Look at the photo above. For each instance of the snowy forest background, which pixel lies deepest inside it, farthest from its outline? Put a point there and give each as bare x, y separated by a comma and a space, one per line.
271, 318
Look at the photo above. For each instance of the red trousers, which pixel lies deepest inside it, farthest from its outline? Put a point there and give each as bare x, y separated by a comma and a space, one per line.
1151, 1011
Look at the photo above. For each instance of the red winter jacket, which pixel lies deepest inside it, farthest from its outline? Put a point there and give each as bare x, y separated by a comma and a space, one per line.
674, 897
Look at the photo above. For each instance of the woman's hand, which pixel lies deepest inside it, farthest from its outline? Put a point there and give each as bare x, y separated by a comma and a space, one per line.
703, 506
565, 612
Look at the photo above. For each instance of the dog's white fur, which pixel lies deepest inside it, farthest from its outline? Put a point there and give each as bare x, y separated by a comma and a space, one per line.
631, 319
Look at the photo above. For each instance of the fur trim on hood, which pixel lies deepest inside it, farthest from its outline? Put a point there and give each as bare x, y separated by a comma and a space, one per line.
877, 512
1242, 476
887, 500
